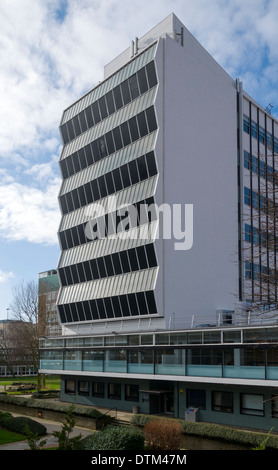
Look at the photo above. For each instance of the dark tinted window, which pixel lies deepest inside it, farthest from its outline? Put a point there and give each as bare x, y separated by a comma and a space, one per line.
109, 183
142, 123
110, 102
134, 89
81, 272
89, 117
74, 234
94, 309
133, 129
151, 73
76, 162
125, 176
68, 275
143, 84
151, 163
124, 261
76, 125
64, 168
87, 310
125, 92
124, 305
74, 274
110, 143
101, 267
83, 123
70, 130
88, 153
109, 266
95, 112
151, 119
133, 259
64, 132
143, 309
125, 134
116, 263
118, 97
86, 266
117, 138
102, 186
82, 158
95, 190
69, 202
142, 168
142, 257
133, 172
151, 302
109, 308
70, 165
133, 304
101, 310
94, 269
102, 107
117, 179
116, 306
151, 255
75, 198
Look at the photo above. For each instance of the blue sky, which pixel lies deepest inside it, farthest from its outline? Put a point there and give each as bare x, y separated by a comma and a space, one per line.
52, 52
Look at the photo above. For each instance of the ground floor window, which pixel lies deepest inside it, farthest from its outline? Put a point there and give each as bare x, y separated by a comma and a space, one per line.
274, 407
98, 389
196, 399
83, 387
132, 392
222, 401
251, 404
114, 391
70, 386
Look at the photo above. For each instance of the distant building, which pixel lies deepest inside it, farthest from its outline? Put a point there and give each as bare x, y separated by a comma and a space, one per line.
12, 361
48, 288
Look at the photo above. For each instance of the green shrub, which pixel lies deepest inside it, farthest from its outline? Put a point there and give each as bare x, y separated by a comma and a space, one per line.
4, 417
115, 438
140, 420
23, 425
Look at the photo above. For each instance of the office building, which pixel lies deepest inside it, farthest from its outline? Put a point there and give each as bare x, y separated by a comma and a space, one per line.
157, 281
48, 288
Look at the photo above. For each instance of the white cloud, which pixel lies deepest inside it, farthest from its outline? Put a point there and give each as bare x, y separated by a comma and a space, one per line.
28, 213
4, 276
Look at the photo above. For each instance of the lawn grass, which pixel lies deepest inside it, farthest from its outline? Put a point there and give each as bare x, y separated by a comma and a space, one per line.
52, 382
6, 437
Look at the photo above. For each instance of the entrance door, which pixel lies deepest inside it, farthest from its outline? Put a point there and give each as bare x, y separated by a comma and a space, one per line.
169, 403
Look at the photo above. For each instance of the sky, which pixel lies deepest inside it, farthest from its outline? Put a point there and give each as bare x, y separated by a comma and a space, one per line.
54, 51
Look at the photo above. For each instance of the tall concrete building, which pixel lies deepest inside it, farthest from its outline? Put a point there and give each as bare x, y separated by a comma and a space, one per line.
160, 130
156, 167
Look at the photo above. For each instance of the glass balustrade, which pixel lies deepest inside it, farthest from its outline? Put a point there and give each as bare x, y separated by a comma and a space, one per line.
245, 363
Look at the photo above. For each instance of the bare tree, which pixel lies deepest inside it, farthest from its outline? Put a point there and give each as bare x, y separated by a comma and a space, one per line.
29, 324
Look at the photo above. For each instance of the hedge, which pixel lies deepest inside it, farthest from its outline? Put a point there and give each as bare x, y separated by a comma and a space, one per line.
49, 405
115, 438
217, 431
21, 425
